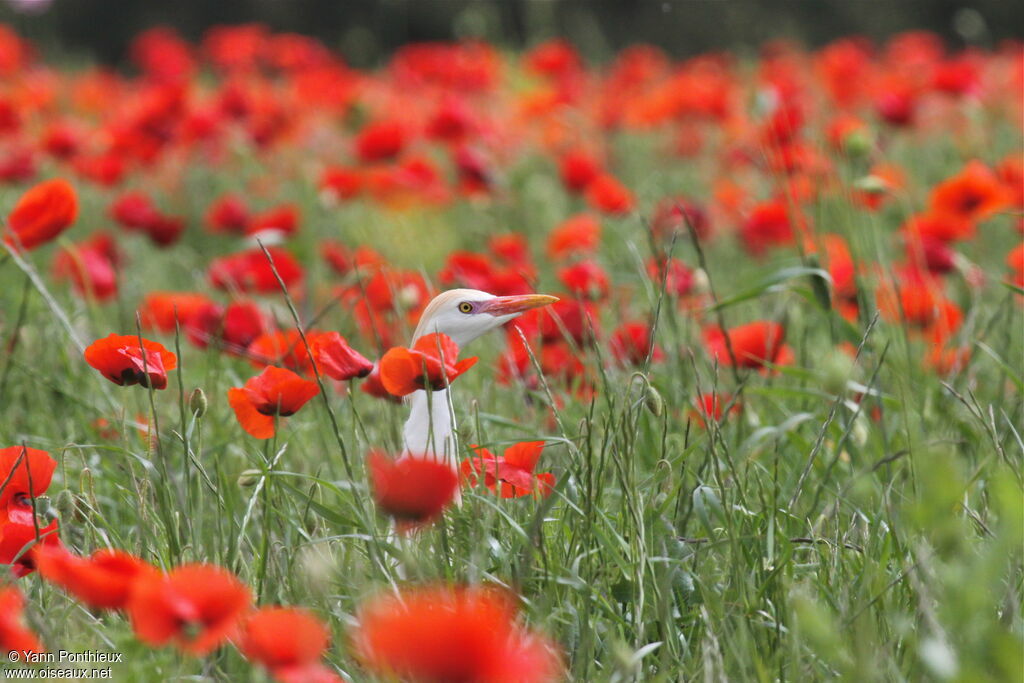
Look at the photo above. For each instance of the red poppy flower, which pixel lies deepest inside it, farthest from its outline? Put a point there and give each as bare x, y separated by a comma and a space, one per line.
133, 210
17, 166
430, 364
281, 347
918, 299
104, 581
288, 642
932, 254
553, 58
20, 465
136, 211
284, 218
752, 344
336, 359
513, 471
586, 280
380, 141
61, 140
250, 271
21, 541
941, 227
1011, 174
451, 634
768, 225
578, 169
120, 359
452, 120
711, 407
339, 183
42, 213
672, 215
227, 214
21, 525
510, 248
605, 193
163, 311
274, 392
631, 342
972, 195
373, 386
566, 317
1015, 258
413, 490
91, 266
195, 607
577, 235
234, 327
679, 279
14, 635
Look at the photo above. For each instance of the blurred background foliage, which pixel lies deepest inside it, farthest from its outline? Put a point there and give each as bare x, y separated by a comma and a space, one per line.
366, 31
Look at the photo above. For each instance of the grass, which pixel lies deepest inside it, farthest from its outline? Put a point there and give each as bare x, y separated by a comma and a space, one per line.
809, 537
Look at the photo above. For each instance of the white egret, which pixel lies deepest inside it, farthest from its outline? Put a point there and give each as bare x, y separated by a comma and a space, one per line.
463, 315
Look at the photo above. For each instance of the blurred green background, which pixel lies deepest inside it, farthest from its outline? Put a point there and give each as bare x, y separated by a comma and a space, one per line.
365, 31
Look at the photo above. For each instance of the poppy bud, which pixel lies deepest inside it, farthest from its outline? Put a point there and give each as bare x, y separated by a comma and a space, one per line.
653, 401
64, 504
197, 402
249, 478
857, 143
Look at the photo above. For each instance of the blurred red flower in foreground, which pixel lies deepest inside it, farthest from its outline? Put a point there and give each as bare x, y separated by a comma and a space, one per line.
14, 635
25, 474
753, 344
513, 471
430, 364
196, 607
273, 392
412, 490
104, 581
451, 634
42, 213
288, 642
120, 359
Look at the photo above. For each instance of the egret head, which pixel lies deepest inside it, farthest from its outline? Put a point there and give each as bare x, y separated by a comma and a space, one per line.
465, 314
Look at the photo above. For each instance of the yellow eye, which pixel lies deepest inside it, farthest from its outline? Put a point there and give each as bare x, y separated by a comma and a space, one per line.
465, 307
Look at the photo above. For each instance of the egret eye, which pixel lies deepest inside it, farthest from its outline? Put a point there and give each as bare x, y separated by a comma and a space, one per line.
465, 307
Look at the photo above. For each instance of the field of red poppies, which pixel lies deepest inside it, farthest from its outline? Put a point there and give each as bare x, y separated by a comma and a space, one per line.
730, 388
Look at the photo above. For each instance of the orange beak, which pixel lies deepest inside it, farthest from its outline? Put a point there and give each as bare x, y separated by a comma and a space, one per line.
510, 305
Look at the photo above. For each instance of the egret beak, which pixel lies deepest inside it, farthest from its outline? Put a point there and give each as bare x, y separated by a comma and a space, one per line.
511, 305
